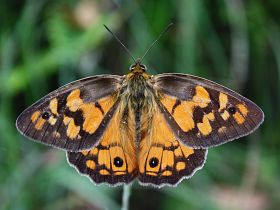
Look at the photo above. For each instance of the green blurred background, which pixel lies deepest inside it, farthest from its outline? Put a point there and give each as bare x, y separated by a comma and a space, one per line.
45, 44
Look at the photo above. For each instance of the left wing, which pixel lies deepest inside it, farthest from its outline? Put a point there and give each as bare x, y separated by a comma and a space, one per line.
202, 113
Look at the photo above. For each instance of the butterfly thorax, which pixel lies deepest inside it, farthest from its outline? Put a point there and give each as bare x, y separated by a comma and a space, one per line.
137, 86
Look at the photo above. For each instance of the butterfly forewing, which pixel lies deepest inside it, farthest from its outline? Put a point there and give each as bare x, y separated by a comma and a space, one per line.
74, 116
202, 113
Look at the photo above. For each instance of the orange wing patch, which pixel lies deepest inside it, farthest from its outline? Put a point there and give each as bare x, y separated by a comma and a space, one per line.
74, 102
204, 127
35, 116
72, 130
201, 97
53, 106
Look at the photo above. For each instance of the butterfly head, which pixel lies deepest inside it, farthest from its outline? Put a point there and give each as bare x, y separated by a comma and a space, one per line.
138, 67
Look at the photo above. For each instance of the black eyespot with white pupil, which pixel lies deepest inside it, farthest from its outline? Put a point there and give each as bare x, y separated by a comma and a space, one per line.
153, 162
232, 110
46, 115
118, 162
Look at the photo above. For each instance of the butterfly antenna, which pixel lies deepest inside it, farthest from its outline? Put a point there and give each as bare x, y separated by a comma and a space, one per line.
120, 42
160, 35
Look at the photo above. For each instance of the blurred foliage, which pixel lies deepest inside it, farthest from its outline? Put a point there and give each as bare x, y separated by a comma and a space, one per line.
45, 44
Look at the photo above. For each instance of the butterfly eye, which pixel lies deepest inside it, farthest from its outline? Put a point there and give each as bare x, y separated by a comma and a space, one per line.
132, 67
46, 115
232, 110
143, 67
153, 162
118, 162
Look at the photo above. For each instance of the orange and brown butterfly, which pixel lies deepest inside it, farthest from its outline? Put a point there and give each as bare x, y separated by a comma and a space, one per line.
156, 128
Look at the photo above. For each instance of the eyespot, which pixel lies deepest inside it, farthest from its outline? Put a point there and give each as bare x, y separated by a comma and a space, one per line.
118, 162
153, 162
232, 110
46, 115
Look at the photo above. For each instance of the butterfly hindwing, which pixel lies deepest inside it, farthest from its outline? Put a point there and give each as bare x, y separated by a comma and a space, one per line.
113, 160
163, 160
74, 116
202, 113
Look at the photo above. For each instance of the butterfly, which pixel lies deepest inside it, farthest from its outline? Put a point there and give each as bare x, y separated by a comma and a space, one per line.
156, 128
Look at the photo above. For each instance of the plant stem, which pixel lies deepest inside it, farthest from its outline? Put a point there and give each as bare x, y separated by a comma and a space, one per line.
125, 197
